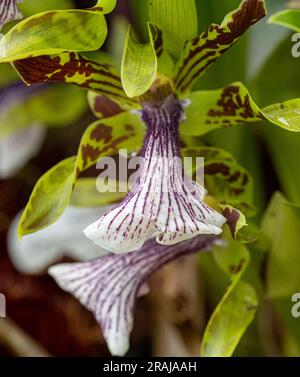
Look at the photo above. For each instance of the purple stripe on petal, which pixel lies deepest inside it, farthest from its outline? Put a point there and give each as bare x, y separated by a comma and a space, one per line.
9, 11
164, 203
109, 286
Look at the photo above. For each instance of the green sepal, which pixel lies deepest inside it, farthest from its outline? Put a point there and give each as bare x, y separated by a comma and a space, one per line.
233, 105
73, 68
224, 178
139, 66
202, 51
54, 32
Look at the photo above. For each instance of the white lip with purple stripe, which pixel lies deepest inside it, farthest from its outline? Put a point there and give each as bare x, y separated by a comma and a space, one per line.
164, 203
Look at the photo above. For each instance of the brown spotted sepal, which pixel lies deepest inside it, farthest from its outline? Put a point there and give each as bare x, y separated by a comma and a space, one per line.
202, 51
73, 68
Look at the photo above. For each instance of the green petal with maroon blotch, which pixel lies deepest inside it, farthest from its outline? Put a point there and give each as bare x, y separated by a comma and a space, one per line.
73, 68
104, 107
224, 178
236, 220
233, 105
53, 191
236, 213
56, 31
289, 18
202, 51
139, 66
177, 19
248, 209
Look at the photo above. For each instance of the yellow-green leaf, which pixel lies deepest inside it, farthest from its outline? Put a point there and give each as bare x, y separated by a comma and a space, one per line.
139, 66
229, 321
237, 307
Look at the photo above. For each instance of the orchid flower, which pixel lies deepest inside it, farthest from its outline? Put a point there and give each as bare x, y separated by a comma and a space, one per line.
36, 252
153, 93
109, 286
164, 203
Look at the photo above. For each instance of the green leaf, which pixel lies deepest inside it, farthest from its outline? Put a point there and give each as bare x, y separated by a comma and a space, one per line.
237, 307
53, 191
225, 179
201, 52
73, 68
139, 66
52, 106
177, 19
85, 194
289, 18
54, 32
229, 321
233, 105
236, 220
281, 227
